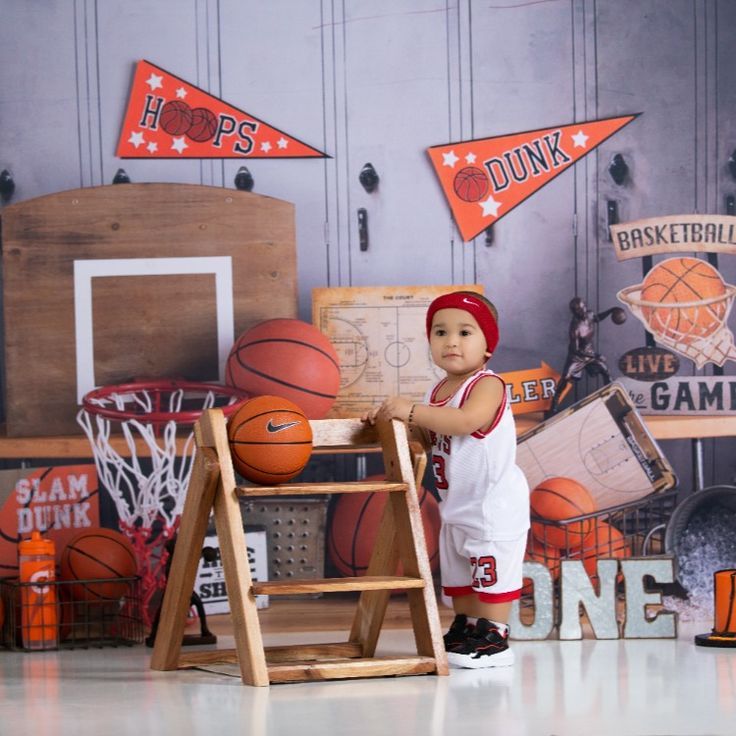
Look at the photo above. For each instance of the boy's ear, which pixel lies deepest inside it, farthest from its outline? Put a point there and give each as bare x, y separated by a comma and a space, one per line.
488, 355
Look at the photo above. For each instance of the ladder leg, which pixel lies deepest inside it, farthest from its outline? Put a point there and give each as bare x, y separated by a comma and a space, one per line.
372, 604
234, 553
412, 545
180, 584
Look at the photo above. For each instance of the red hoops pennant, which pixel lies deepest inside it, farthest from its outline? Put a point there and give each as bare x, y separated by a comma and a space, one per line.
484, 179
170, 118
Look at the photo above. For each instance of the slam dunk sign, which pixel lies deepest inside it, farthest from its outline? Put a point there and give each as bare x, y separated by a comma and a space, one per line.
484, 179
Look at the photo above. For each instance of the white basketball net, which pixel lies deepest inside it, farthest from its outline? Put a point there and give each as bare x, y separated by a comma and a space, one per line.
143, 492
717, 346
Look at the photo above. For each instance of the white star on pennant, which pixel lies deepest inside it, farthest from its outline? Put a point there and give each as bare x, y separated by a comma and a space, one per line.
580, 139
265, 146
155, 81
490, 207
179, 144
470, 158
152, 147
450, 159
136, 139
282, 143
181, 93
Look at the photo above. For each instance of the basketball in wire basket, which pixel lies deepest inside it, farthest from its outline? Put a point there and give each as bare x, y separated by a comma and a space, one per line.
142, 441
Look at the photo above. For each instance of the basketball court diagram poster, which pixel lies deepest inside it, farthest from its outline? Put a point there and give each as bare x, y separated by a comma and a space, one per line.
485, 178
380, 337
167, 117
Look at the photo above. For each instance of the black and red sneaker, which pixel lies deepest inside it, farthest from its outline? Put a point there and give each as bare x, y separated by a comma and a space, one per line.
484, 646
458, 632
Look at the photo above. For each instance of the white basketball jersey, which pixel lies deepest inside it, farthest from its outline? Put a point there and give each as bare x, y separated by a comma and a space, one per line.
480, 485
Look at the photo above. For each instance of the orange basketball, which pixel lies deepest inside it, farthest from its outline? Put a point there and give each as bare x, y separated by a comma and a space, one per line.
289, 358
176, 117
556, 500
470, 184
270, 440
603, 542
98, 554
354, 524
683, 281
203, 125
547, 555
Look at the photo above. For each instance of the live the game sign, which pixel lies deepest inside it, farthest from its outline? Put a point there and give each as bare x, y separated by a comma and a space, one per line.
683, 395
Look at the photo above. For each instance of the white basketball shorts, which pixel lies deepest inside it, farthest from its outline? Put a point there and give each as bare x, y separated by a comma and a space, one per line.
490, 568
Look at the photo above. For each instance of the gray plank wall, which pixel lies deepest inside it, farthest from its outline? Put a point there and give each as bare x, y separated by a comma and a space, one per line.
380, 80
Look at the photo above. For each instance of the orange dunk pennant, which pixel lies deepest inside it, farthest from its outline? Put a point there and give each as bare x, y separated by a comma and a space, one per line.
170, 118
484, 179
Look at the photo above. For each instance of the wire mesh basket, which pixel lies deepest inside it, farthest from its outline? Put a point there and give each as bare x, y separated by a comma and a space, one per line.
63, 621
635, 529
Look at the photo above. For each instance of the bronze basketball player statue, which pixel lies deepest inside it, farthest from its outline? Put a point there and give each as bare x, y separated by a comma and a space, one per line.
581, 352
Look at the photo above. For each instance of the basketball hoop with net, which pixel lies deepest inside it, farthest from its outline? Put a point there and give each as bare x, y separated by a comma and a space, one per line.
142, 439
696, 329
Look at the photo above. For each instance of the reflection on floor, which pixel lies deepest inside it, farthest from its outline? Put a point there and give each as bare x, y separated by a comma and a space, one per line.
567, 688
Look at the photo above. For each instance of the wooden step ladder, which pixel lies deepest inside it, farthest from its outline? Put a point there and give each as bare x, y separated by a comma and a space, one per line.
400, 537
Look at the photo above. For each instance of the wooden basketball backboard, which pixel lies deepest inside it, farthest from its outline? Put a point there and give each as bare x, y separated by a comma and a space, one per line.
105, 284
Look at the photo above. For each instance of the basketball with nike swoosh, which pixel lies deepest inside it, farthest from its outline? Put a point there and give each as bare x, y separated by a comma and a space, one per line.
270, 440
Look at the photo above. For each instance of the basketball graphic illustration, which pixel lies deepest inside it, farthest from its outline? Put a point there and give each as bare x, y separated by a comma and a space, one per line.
558, 499
204, 125
470, 184
270, 440
691, 293
604, 541
176, 117
354, 527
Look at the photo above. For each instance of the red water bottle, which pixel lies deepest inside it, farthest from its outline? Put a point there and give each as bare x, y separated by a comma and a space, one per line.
36, 562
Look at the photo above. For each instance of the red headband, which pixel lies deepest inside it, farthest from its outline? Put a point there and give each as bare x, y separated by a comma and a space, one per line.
468, 302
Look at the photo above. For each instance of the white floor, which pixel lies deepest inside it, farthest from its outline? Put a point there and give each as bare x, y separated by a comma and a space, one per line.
563, 688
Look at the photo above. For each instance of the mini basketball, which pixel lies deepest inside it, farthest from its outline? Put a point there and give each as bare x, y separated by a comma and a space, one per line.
270, 440
618, 316
204, 125
603, 542
99, 555
470, 184
288, 358
176, 117
684, 281
556, 500
353, 527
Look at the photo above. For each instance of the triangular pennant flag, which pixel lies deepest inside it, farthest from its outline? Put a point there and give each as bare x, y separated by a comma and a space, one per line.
484, 179
170, 118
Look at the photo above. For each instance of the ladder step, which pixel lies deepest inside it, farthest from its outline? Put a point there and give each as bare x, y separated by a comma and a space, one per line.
304, 489
276, 654
336, 585
340, 670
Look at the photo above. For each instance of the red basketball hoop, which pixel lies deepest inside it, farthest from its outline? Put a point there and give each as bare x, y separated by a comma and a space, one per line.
153, 401
144, 461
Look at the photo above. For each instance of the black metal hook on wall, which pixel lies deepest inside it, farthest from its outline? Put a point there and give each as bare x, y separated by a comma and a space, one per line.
7, 185
368, 178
